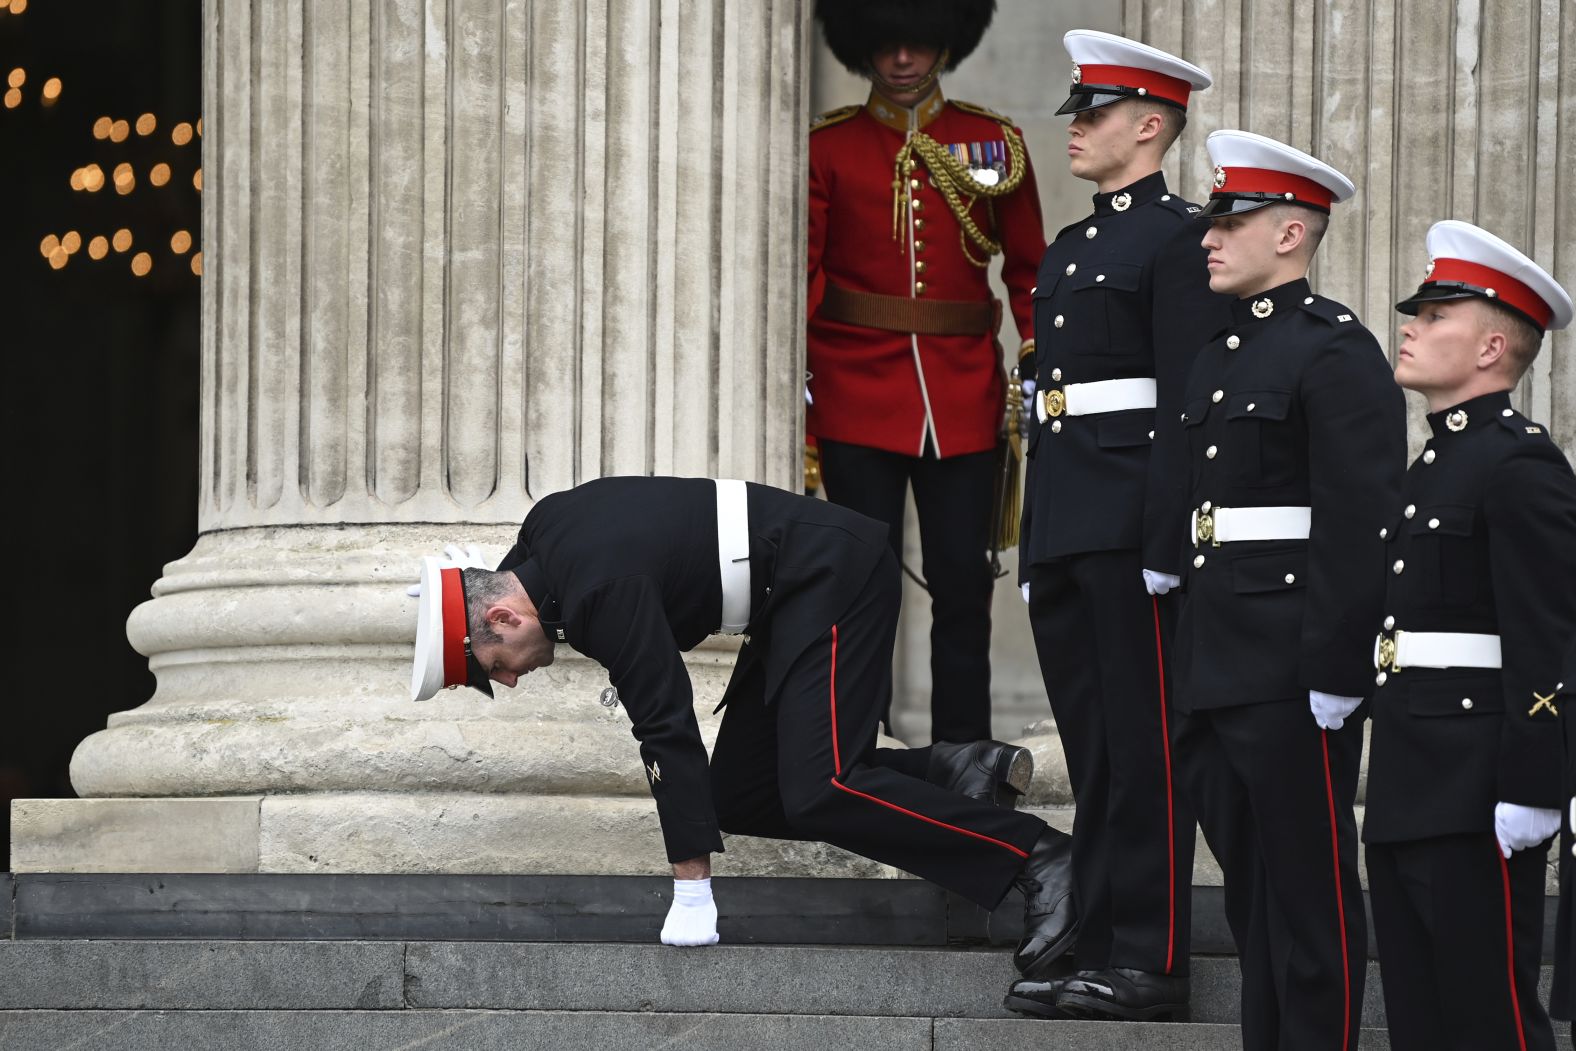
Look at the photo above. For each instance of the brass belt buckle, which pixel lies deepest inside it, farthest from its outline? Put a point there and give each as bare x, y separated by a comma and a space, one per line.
1055, 402
1387, 652
1204, 530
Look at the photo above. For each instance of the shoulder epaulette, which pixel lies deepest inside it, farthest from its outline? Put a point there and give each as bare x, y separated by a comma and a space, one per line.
981, 111
1524, 428
1331, 311
1183, 207
833, 116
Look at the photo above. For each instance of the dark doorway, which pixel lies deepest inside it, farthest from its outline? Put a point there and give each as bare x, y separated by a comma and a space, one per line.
101, 364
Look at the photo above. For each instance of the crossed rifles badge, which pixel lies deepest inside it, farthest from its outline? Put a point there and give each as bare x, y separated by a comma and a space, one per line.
1543, 702
653, 773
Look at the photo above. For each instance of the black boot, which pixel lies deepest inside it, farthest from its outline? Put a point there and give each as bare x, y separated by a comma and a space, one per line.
1050, 918
1125, 994
1036, 997
990, 771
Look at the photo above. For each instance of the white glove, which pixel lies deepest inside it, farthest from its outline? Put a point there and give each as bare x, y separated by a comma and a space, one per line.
1158, 583
1024, 587
1518, 827
455, 556
692, 920
1330, 710
1028, 394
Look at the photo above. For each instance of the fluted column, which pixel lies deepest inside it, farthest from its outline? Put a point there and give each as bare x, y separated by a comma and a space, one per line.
460, 254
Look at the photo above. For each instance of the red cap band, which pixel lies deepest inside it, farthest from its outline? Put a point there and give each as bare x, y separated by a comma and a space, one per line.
1268, 180
1506, 288
453, 629
1169, 88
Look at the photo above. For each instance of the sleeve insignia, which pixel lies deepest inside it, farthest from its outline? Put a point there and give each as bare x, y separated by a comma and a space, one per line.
1543, 702
1344, 317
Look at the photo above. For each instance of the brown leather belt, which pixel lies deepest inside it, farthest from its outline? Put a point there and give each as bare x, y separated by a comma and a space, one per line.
925, 317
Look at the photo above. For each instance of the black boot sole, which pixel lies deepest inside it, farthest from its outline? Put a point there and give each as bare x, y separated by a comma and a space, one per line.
1014, 771
1032, 1008
1093, 1009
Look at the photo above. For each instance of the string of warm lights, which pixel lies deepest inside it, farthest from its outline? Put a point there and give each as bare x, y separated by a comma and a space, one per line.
58, 249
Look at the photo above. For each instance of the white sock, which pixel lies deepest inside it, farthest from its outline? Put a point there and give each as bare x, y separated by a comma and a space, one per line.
692, 919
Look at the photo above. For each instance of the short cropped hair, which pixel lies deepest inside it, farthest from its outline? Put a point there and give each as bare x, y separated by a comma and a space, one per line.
1172, 119
484, 589
1522, 338
1314, 222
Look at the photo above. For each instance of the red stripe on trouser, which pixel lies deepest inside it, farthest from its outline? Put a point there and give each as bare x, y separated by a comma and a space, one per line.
1510, 949
1171, 831
837, 765
1340, 900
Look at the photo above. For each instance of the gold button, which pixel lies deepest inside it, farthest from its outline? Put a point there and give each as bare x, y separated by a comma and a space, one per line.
919, 246
913, 184
1215, 397
1198, 562
1059, 320
1210, 452
919, 288
1056, 374
918, 206
1071, 267
919, 224
919, 266
1232, 342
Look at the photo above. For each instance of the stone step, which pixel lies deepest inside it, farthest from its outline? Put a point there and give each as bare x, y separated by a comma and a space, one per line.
790, 981
574, 1031
546, 908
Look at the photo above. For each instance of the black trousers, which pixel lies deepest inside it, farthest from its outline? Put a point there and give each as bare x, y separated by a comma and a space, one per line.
807, 767
1460, 933
1101, 641
952, 497
1274, 797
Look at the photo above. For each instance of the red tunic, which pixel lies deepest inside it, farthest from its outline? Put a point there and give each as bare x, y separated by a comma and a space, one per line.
888, 389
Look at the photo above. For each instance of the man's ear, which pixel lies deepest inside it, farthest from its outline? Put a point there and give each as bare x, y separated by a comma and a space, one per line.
502, 615
1291, 237
1149, 127
1492, 351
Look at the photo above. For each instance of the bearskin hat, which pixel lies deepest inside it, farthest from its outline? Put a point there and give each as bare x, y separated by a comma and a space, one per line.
855, 29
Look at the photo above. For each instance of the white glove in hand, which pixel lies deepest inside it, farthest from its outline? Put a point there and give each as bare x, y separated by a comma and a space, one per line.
1028, 395
1330, 710
467, 557
1158, 583
1518, 827
692, 920
1024, 587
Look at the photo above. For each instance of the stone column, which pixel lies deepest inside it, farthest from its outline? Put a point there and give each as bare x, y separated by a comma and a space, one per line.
461, 254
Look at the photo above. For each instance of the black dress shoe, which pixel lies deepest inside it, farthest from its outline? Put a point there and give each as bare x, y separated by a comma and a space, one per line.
1037, 996
1125, 994
990, 771
1050, 918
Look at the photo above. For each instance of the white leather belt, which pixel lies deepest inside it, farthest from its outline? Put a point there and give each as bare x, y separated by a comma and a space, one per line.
733, 554
1224, 525
1086, 399
1394, 650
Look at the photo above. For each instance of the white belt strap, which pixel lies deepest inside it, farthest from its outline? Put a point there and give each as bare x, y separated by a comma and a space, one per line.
733, 554
1224, 525
1394, 651
1087, 399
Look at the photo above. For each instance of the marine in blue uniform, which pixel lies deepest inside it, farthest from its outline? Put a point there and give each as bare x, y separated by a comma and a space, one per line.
631, 572
1293, 435
1121, 306
1465, 781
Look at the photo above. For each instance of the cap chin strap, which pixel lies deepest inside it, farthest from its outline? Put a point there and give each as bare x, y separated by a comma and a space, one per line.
919, 87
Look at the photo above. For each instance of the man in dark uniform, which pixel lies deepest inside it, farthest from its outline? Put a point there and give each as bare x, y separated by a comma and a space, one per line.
1294, 437
910, 196
633, 571
1562, 1003
1465, 782
1122, 305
